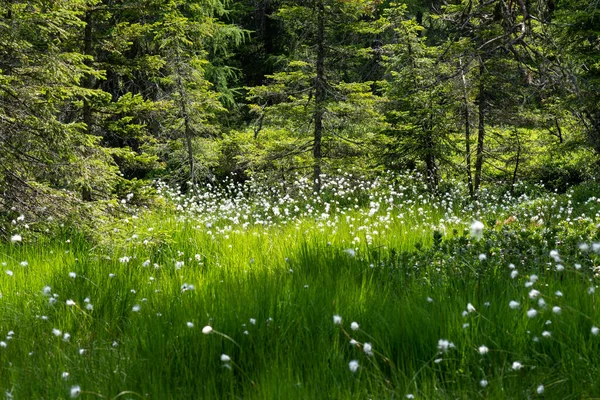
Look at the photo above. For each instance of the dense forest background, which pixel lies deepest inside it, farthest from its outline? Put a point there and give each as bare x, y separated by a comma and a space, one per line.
97, 97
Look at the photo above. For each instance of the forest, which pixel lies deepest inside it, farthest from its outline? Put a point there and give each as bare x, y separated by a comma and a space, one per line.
98, 97
299, 199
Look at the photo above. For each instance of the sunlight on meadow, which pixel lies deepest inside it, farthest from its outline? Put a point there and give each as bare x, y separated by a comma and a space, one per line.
372, 289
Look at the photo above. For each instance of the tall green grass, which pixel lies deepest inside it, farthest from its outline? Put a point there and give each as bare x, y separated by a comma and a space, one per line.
270, 294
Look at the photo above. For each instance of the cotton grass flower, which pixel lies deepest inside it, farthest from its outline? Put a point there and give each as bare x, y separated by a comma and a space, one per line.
514, 305
16, 238
540, 389
354, 326
470, 308
483, 350
514, 273
337, 320
595, 330
136, 308
532, 313
556, 310
477, 229
444, 345
190, 324
353, 365
75, 391
546, 334
368, 349
225, 358
483, 383
516, 365
207, 330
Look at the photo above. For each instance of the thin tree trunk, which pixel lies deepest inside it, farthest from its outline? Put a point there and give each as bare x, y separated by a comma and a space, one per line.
517, 161
480, 127
188, 129
88, 81
467, 117
319, 97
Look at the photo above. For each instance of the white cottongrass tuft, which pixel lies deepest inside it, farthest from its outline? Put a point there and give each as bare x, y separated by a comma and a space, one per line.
70, 303
207, 329
353, 342
368, 349
546, 334
470, 308
514, 273
540, 389
337, 319
595, 330
56, 332
483, 350
517, 365
3, 344
190, 324
16, 238
534, 293
72, 275
353, 365
482, 257
532, 313
477, 229
136, 308
513, 304
75, 391
225, 358
65, 375
444, 345
354, 326
483, 383
556, 310
350, 252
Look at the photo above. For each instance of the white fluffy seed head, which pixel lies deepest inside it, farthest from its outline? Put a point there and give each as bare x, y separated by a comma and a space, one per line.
207, 329
353, 365
337, 320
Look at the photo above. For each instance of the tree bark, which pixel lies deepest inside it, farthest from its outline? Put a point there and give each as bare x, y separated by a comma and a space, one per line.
467, 117
480, 126
319, 97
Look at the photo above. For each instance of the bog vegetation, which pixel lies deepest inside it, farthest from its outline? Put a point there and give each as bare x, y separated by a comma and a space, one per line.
210, 198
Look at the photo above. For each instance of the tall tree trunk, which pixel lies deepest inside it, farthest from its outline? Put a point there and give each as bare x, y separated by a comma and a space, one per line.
88, 83
89, 80
188, 132
319, 97
430, 165
480, 126
518, 159
467, 117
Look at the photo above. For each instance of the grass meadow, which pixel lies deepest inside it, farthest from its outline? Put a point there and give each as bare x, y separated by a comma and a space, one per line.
372, 290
